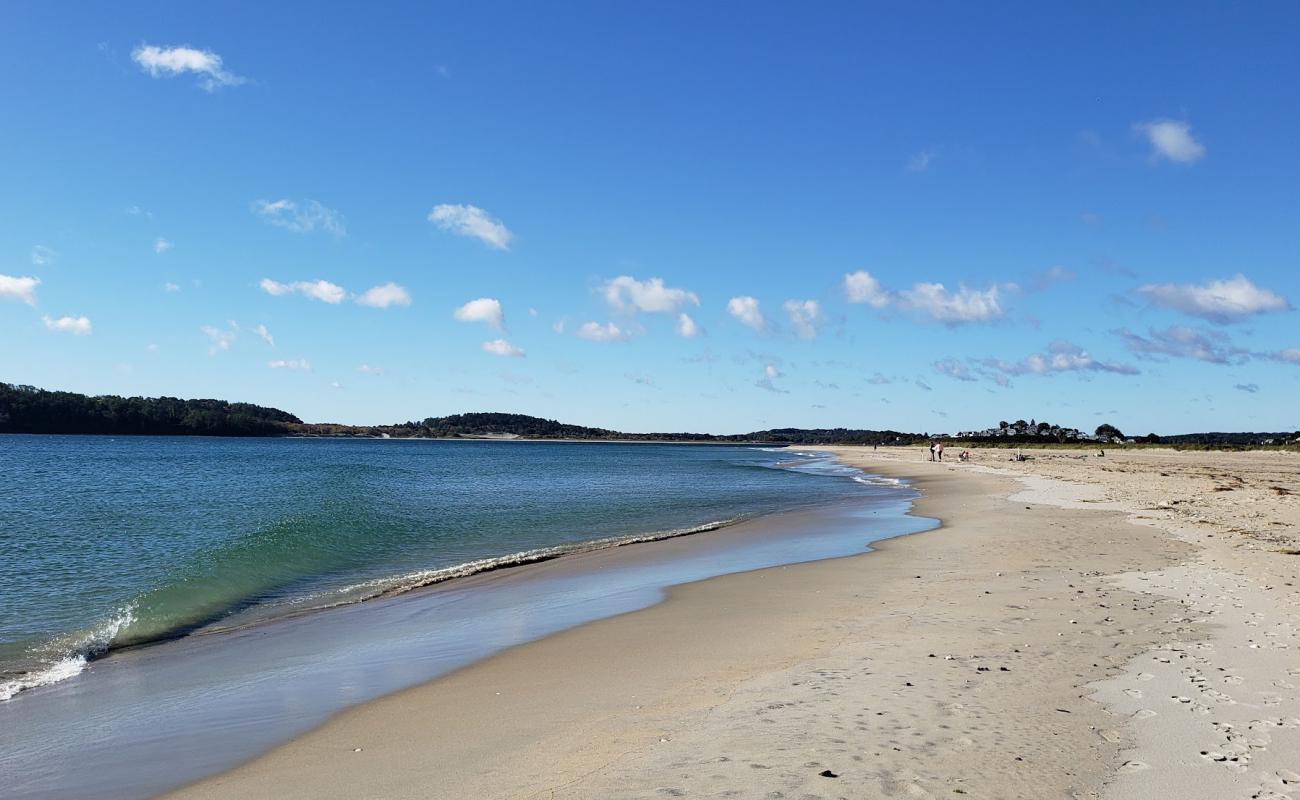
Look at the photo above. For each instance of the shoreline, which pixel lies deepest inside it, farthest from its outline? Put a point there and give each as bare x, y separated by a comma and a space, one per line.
571, 728
363, 651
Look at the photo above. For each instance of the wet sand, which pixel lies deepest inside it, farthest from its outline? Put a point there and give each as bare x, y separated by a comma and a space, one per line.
997, 656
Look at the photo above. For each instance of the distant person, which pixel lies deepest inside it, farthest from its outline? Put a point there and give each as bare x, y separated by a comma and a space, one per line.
965, 456
932, 451
938, 450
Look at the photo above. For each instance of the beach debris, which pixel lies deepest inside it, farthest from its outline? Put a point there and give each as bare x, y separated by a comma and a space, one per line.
356, 749
828, 774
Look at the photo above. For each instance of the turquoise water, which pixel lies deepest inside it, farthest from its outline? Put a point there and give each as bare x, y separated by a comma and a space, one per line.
115, 542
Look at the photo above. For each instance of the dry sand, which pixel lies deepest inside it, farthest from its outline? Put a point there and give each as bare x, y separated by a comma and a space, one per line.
1038, 645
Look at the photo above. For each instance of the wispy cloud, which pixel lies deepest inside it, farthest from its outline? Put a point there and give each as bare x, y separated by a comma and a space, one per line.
1291, 355
79, 326
1053, 275
1221, 301
1171, 140
1061, 356
168, 62
162, 245
171, 287
770, 374
954, 368
367, 369
1179, 341
292, 364
264, 335
746, 310
485, 309
472, 221
1250, 388
921, 161
220, 340
16, 288
501, 347
309, 216
805, 317
43, 256
321, 290
384, 295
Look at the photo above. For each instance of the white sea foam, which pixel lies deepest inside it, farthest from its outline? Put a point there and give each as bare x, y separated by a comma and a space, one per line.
74, 654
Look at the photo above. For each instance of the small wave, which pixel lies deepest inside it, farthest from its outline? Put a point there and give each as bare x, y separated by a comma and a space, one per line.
879, 480
69, 656
392, 586
73, 654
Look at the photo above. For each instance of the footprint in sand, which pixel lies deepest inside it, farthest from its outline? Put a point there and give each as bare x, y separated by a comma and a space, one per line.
1134, 766
1114, 737
1144, 713
1145, 676
1134, 693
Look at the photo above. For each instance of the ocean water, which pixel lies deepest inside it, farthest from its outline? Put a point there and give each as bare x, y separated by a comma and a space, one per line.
115, 542
171, 606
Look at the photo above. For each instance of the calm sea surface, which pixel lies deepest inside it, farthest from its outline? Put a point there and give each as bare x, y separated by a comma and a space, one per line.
222, 555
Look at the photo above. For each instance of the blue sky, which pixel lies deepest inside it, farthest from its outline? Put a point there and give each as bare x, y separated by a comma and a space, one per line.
926, 219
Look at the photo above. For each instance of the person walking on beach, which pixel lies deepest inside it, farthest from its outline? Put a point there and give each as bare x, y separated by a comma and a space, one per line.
938, 450
932, 451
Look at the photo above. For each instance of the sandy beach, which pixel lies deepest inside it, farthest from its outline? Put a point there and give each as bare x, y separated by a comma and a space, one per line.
1082, 627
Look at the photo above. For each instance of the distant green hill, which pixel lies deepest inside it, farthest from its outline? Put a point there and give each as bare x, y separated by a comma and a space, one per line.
26, 409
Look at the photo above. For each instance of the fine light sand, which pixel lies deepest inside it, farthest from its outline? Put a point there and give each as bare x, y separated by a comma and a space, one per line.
1079, 627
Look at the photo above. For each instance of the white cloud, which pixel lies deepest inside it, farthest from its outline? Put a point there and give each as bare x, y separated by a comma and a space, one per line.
389, 294
484, 309
862, 287
308, 217
323, 291
1221, 301
172, 61
366, 369
1290, 355
171, 287
42, 255
687, 327
161, 245
472, 221
770, 371
23, 289
746, 310
628, 295
151, 348
964, 305
79, 326
805, 317
609, 332
1172, 140
295, 363
500, 347
265, 334
220, 340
